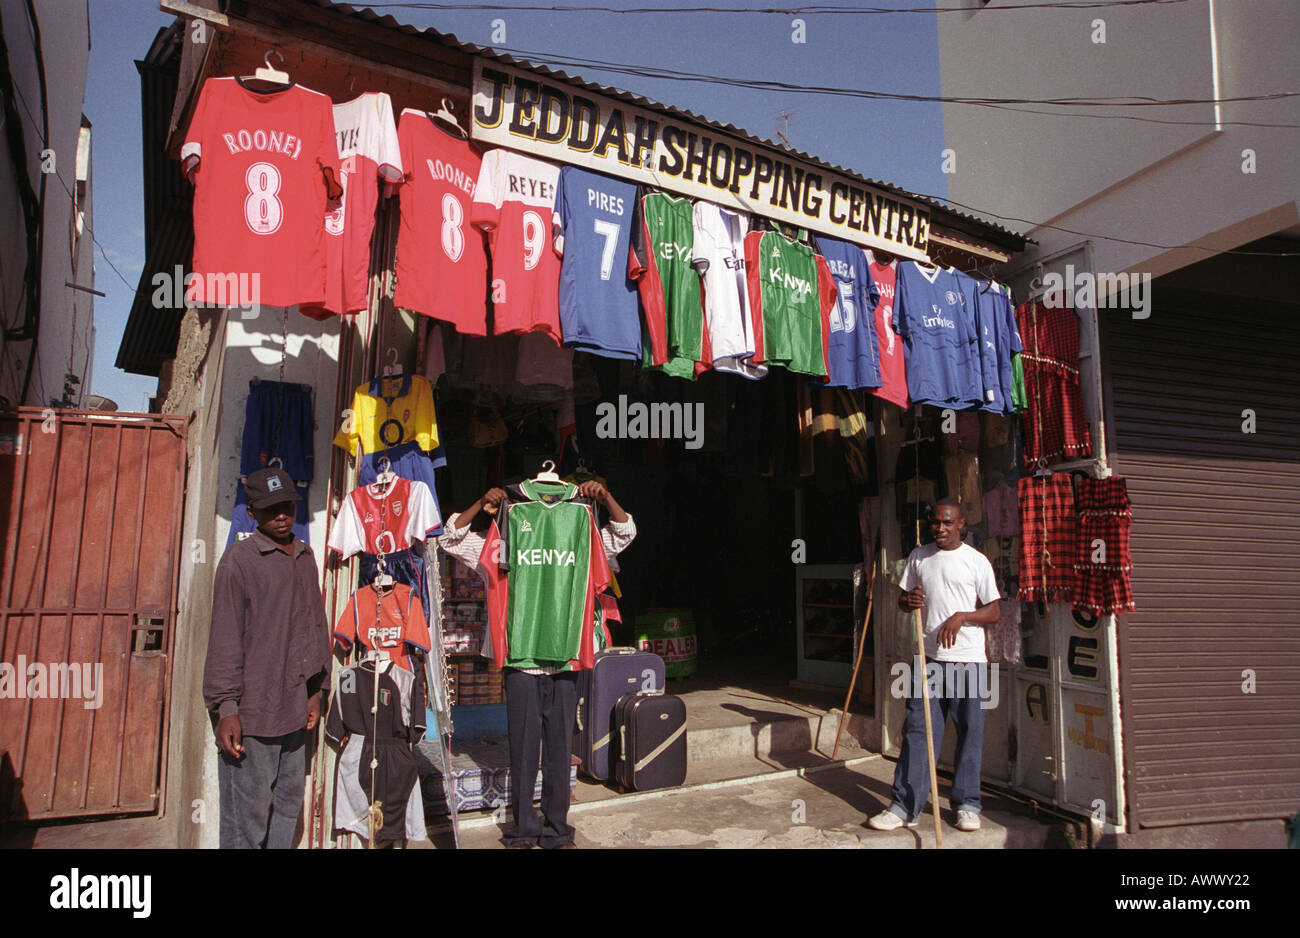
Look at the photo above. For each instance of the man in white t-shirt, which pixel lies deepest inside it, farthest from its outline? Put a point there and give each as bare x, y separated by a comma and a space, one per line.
952, 584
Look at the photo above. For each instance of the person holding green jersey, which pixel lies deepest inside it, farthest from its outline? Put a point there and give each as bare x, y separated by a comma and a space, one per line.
541, 558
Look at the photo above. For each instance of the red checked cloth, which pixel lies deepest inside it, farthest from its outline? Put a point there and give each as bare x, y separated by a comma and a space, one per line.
1104, 559
1048, 538
1056, 427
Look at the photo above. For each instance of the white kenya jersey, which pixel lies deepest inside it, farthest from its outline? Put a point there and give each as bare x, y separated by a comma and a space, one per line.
368, 153
719, 256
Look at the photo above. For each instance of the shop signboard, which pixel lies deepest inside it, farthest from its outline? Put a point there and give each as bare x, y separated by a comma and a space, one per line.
566, 124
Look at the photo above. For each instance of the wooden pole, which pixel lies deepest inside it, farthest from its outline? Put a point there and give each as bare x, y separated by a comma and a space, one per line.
862, 645
929, 730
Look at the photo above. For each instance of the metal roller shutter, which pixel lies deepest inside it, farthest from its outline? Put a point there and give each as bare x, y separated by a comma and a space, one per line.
1216, 555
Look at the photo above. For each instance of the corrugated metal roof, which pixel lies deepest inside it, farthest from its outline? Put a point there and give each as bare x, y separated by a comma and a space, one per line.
449, 40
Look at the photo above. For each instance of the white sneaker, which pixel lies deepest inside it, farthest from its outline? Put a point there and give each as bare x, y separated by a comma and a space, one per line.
968, 821
888, 821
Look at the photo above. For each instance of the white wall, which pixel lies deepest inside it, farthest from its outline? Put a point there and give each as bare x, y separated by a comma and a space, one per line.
217, 355
1163, 184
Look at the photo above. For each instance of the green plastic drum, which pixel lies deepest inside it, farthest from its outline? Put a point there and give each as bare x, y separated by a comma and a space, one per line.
670, 634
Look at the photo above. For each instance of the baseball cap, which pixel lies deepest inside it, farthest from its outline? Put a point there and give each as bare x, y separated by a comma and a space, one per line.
267, 487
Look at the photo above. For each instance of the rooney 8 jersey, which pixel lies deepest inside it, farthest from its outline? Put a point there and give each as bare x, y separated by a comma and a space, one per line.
513, 203
441, 261
263, 165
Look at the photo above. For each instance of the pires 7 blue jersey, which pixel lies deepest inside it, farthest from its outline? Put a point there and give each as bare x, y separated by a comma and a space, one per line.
853, 355
592, 228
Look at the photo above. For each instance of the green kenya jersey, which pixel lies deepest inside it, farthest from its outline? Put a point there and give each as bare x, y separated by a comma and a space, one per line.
663, 241
550, 565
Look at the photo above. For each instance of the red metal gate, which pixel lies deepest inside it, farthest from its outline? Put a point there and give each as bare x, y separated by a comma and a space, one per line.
90, 510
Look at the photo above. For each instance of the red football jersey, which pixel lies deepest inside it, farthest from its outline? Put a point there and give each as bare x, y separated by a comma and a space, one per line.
368, 153
513, 203
441, 259
893, 372
263, 165
388, 621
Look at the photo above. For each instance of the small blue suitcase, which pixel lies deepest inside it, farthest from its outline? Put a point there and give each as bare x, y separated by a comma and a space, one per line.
616, 672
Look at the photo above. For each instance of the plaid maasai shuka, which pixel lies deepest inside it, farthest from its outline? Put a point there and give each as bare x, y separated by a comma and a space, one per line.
1047, 538
1056, 427
1105, 516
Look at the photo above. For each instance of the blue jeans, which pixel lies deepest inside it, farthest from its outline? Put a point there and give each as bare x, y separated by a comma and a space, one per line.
261, 794
960, 697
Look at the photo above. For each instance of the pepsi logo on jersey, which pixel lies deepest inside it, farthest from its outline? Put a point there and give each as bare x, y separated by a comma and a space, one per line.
387, 636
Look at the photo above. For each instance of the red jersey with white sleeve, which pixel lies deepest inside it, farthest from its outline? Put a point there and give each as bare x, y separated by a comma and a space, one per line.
893, 370
441, 259
375, 519
386, 620
513, 203
368, 153
263, 165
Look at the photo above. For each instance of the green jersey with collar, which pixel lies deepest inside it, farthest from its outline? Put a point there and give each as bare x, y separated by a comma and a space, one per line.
546, 563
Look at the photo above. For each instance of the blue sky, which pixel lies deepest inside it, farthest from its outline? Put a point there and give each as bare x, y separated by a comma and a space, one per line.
898, 142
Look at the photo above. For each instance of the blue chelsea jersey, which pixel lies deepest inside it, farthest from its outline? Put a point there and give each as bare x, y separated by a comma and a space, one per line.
939, 339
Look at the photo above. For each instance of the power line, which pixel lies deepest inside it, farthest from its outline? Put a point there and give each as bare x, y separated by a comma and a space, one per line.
90, 230
653, 72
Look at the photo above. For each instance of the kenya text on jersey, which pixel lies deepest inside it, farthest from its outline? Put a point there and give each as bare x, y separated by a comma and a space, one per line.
544, 556
789, 281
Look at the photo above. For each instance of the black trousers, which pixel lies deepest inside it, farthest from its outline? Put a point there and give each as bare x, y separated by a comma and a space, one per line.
541, 711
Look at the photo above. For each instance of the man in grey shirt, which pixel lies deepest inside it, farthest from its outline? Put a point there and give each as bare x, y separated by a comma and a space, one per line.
267, 670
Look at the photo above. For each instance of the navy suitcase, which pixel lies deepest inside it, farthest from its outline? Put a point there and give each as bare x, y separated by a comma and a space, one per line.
616, 673
651, 730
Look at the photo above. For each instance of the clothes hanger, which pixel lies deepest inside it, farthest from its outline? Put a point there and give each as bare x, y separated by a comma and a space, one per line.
386, 474
394, 366
445, 115
548, 473
268, 74
382, 580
